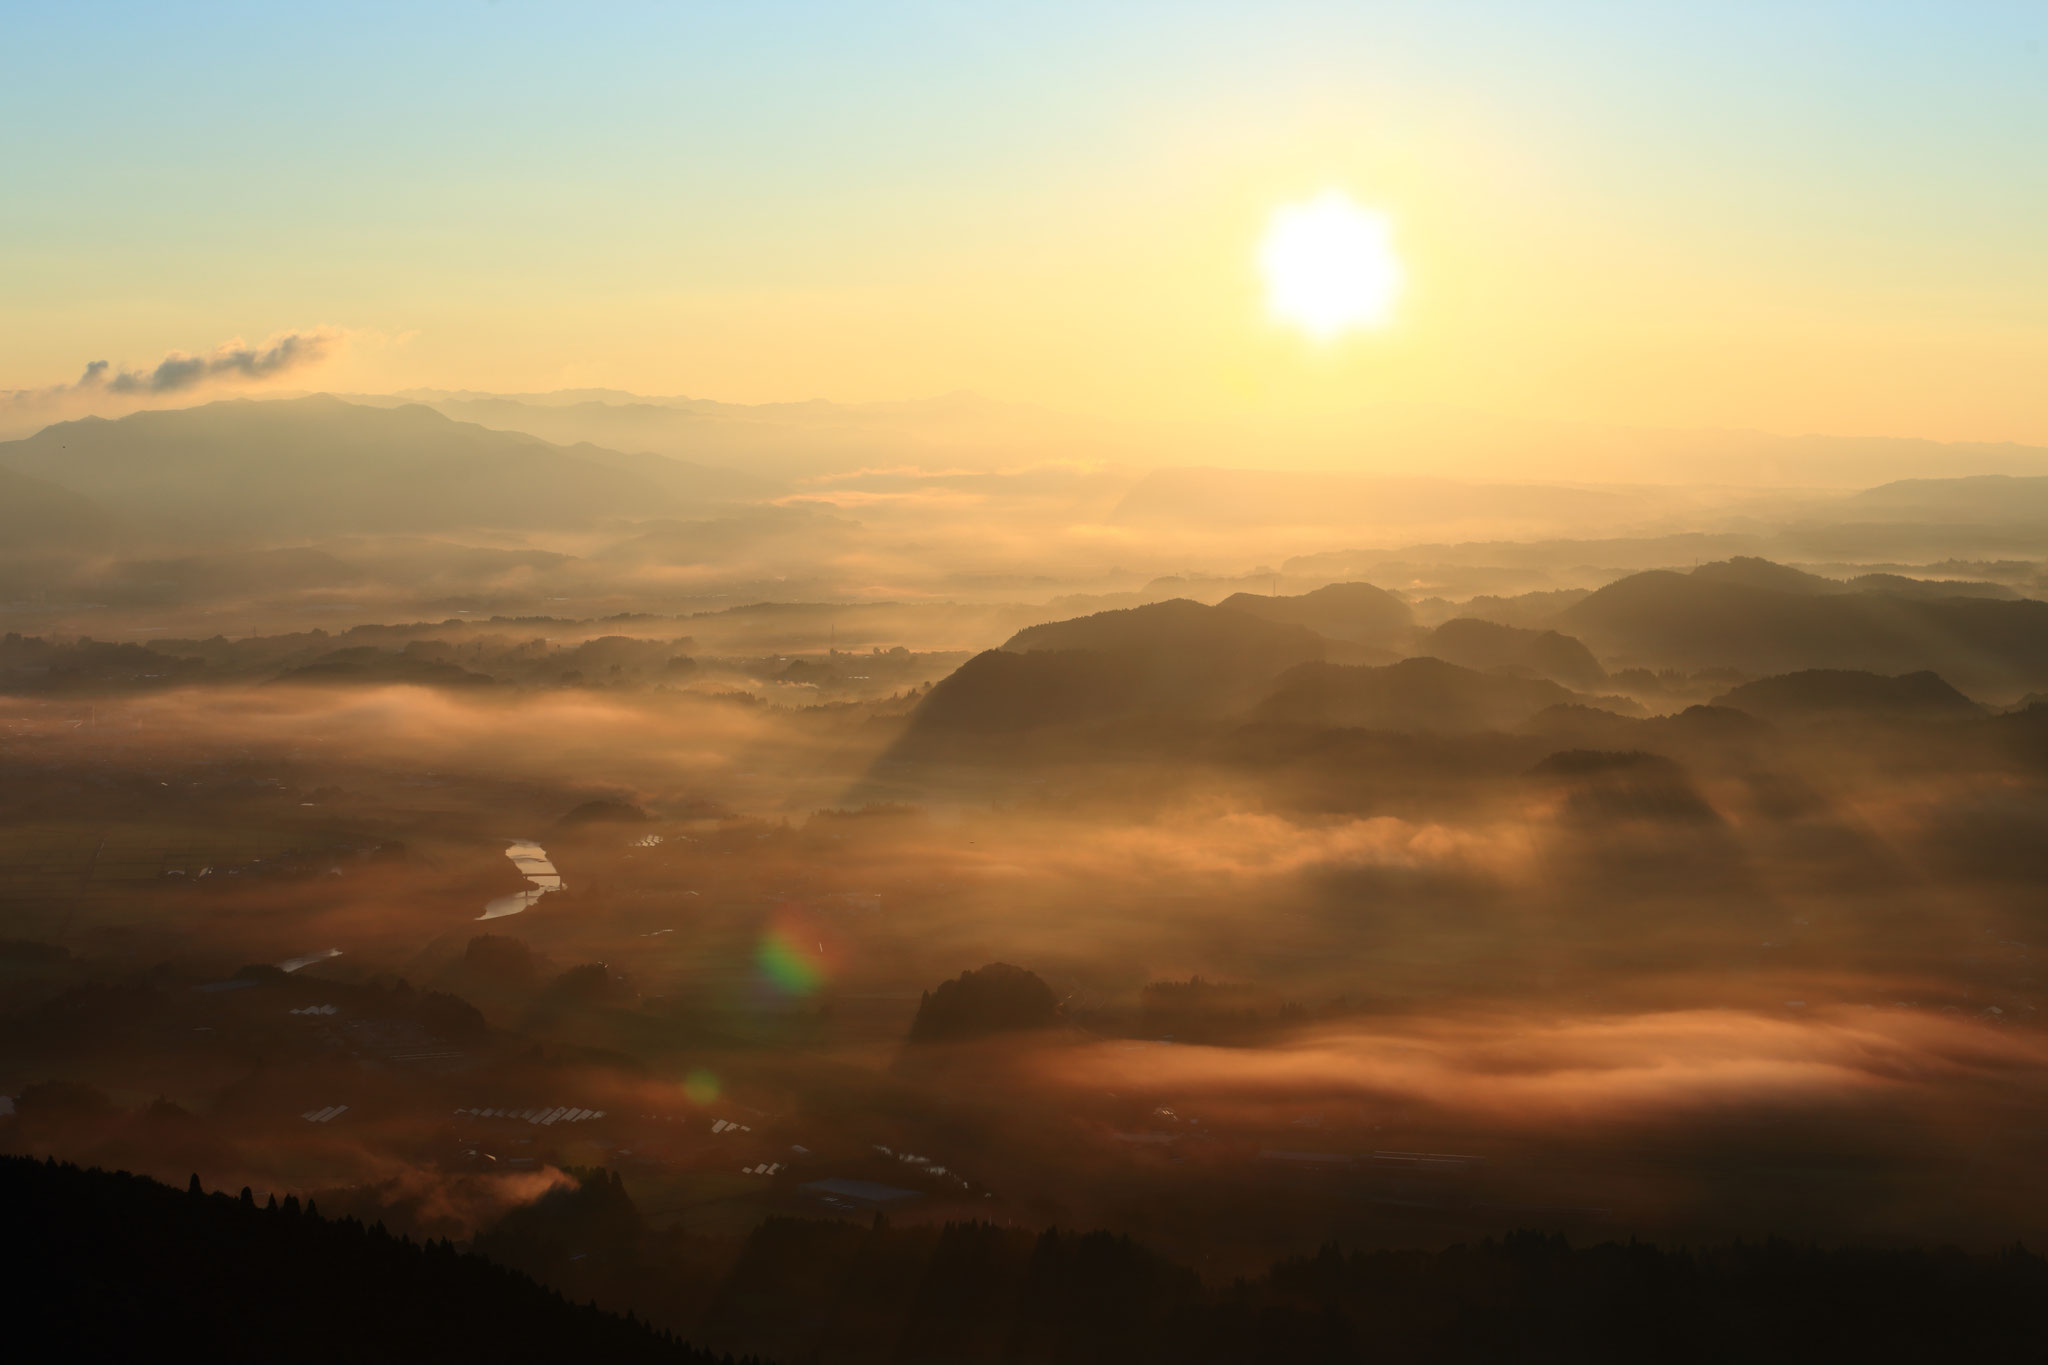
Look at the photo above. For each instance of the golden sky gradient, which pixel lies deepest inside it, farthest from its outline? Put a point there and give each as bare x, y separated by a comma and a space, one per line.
1820, 220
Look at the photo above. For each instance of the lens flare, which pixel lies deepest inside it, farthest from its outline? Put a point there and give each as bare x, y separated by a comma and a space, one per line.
792, 963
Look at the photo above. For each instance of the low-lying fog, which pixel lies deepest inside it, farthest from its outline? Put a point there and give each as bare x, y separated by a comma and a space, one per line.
1616, 885
1773, 982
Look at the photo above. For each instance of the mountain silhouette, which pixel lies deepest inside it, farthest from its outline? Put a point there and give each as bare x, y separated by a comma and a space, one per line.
1989, 499
1903, 586
124, 1267
1488, 646
1833, 691
319, 466
1177, 655
1000, 691
998, 998
1414, 694
1666, 619
1752, 572
1073, 684
1357, 612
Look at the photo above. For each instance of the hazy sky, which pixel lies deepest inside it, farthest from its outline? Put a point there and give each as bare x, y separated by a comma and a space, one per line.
1798, 217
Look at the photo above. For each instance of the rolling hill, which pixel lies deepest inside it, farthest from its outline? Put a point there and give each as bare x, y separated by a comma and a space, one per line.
124, 1267
1981, 498
1357, 612
1487, 646
1691, 621
1181, 655
1818, 692
1168, 662
1414, 694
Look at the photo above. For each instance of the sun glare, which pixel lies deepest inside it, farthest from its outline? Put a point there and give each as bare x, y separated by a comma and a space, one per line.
1329, 266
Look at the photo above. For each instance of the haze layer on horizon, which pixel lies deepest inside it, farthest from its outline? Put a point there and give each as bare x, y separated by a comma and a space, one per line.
1821, 219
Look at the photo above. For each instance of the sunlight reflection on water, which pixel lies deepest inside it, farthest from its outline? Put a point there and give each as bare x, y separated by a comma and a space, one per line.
532, 861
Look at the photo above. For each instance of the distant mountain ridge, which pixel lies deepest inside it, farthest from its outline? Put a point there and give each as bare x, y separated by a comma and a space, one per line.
318, 466
1993, 498
1413, 443
777, 439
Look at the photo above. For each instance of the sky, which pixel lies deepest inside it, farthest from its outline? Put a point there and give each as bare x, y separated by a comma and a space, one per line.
1792, 217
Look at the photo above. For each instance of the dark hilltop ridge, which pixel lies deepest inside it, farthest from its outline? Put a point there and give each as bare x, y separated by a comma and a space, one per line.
1817, 692
1357, 612
1488, 645
1174, 662
1684, 662
1183, 656
1757, 619
124, 1267
1169, 669
998, 998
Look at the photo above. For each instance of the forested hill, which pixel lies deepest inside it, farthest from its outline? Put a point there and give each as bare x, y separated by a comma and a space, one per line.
117, 1267
978, 1294
112, 1266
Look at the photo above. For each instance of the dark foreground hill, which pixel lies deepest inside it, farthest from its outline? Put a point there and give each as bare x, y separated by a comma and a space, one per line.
973, 1293
111, 1266
116, 1267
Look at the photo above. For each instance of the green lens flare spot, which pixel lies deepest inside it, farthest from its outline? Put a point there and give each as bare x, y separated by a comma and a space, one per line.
793, 971
700, 1087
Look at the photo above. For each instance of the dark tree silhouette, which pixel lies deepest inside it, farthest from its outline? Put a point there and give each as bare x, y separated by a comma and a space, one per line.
998, 998
124, 1268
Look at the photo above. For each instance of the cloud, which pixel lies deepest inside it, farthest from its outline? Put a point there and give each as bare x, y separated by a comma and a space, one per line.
232, 361
1515, 1068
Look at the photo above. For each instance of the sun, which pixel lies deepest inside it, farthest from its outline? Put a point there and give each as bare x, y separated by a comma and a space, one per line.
1330, 266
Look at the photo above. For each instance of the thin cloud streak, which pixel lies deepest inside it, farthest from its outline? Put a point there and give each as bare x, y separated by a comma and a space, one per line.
233, 361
